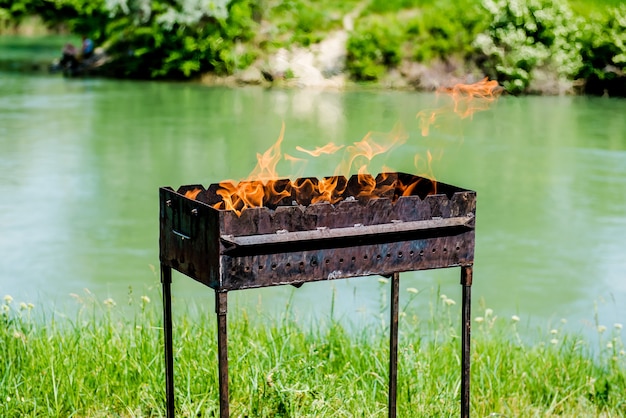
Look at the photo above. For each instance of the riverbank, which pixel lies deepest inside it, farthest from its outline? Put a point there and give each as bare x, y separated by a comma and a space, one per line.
546, 48
106, 359
530, 47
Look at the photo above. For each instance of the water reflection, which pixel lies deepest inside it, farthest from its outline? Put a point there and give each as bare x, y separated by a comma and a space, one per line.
82, 161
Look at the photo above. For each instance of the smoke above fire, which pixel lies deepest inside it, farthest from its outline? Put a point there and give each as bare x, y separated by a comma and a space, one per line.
260, 187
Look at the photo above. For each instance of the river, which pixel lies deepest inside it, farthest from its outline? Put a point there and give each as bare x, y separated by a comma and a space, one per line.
81, 162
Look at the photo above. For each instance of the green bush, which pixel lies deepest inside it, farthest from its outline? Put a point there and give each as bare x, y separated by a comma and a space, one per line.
160, 41
603, 52
444, 30
373, 46
84, 17
529, 35
384, 6
304, 22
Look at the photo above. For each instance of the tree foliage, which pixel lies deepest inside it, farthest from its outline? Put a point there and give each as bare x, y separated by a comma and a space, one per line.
80, 16
178, 40
513, 41
373, 47
526, 36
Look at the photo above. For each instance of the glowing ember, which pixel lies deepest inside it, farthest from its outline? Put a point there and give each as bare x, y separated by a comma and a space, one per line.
192, 194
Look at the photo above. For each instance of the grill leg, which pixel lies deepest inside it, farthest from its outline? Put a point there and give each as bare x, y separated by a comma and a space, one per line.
221, 308
166, 281
466, 282
393, 344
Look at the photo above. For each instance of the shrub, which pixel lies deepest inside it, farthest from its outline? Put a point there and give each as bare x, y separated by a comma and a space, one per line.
304, 22
194, 36
603, 52
529, 35
373, 46
445, 29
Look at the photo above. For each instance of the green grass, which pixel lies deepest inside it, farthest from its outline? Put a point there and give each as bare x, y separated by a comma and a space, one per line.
106, 360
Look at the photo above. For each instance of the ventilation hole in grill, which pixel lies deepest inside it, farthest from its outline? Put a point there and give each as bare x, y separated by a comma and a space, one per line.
365, 257
314, 262
301, 265
458, 248
327, 261
378, 257
400, 254
288, 265
246, 269
421, 253
260, 267
353, 259
434, 250
273, 266
445, 250
341, 260
411, 253
388, 255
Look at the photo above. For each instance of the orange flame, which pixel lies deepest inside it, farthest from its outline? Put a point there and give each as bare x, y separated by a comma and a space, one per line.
266, 162
192, 194
329, 190
361, 153
263, 187
471, 98
329, 148
468, 99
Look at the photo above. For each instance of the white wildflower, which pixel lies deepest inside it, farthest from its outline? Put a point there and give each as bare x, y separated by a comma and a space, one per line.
145, 299
617, 325
554, 341
515, 318
488, 312
449, 302
109, 302
443, 297
554, 331
17, 334
23, 305
601, 328
412, 290
8, 299
30, 306
479, 319
382, 280
609, 345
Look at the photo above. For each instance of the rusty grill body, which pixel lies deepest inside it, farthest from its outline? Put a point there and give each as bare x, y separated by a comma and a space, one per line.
291, 241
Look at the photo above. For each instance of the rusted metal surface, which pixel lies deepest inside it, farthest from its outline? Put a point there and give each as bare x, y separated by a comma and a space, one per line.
393, 345
221, 309
466, 321
295, 244
166, 282
293, 241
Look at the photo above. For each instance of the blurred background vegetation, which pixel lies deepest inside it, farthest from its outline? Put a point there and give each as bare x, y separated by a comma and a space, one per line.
520, 43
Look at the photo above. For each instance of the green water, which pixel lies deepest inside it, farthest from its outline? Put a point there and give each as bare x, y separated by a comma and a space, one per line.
31, 54
81, 162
